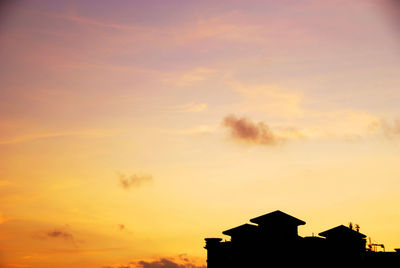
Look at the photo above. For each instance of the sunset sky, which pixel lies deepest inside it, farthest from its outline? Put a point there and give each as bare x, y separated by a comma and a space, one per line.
132, 130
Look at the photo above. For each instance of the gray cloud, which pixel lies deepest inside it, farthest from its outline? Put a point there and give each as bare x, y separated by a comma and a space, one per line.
166, 263
60, 234
246, 130
161, 263
55, 234
123, 266
133, 180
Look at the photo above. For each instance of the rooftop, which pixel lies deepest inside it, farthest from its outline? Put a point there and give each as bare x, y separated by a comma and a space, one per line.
277, 217
340, 231
242, 229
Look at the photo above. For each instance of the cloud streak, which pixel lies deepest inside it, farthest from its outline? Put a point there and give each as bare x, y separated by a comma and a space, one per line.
56, 234
390, 130
179, 261
60, 234
52, 135
243, 129
164, 263
161, 263
190, 107
85, 20
134, 180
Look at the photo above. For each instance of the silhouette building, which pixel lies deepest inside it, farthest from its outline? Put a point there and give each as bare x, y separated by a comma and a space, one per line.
272, 240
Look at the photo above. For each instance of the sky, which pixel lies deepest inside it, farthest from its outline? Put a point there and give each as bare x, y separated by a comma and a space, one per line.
132, 130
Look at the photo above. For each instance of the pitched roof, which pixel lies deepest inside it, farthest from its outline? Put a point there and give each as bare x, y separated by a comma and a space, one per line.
241, 229
277, 217
341, 230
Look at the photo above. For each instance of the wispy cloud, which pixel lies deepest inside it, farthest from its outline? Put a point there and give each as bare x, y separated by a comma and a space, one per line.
134, 180
190, 77
352, 128
84, 20
200, 129
49, 135
228, 26
244, 129
293, 105
390, 129
166, 263
58, 233
182, 261
190, 107
273, 99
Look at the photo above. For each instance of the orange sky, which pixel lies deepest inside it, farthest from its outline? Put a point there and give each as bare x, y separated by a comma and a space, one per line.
130, 131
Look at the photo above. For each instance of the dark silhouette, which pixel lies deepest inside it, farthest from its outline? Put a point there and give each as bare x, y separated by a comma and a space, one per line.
273, 241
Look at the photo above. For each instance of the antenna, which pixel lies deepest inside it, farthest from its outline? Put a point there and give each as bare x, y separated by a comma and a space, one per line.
374, 246
350, 226
369, 244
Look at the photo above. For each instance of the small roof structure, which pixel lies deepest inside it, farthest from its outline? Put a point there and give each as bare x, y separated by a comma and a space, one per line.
277, 217
241, 229
342, 231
